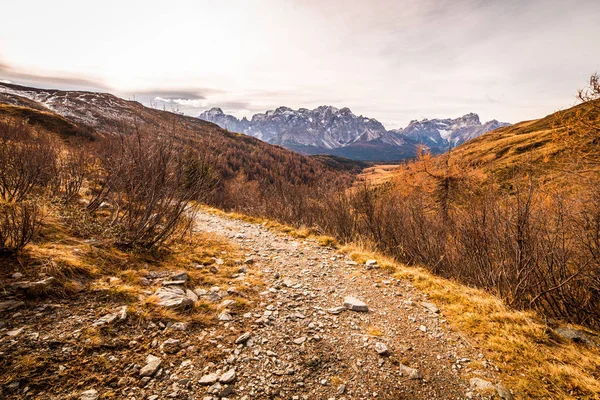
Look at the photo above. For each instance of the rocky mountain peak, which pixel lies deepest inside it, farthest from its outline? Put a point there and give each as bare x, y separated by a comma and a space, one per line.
327, 129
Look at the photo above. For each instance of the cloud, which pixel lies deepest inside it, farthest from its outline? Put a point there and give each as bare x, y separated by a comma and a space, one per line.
179, 94
50, 79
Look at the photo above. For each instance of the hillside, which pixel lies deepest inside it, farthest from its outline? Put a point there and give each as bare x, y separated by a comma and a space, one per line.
94, 115
548, 146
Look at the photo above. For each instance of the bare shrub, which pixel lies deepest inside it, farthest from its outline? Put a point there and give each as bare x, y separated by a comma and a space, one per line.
27, 160
72, 169
147, 181
19, 222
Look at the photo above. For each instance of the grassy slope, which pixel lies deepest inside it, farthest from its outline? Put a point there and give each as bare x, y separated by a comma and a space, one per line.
541, 146
510, 152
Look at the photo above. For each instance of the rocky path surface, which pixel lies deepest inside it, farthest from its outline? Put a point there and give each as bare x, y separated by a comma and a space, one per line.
283, 318
302, 343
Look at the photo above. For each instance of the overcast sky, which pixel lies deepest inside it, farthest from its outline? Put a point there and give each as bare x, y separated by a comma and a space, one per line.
394, 60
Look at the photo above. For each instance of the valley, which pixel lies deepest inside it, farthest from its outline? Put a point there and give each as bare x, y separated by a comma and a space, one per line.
300, 200
318, 275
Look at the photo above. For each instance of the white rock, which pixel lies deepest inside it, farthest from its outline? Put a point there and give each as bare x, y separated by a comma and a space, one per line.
208, 379
91, 394
337, 310
173, 283
15, 332
44, 283
481, 385
179, 326
152, 365
191, 295
106, 320
122, 313
225, 316
503, 392
410, 373
243, 338
173, 297
353, 304
381, 349
431, 307
228, 376
300, 340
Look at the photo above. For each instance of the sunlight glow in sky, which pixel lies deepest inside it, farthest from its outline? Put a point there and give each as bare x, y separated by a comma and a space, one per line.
392, 60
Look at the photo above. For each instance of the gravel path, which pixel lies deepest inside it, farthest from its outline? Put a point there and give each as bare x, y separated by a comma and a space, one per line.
289, 320
303, 345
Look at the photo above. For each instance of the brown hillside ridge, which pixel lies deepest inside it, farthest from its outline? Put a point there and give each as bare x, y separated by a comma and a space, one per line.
102, 114
549, 147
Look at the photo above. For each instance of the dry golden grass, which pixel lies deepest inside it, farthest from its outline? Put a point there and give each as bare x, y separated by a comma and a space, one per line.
327, 241
116, 275
377, 175
532, 362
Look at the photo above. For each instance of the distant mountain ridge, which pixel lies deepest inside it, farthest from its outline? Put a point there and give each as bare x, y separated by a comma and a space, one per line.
329, 130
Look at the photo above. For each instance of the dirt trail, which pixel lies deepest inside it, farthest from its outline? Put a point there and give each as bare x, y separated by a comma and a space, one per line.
299, 349
266, 323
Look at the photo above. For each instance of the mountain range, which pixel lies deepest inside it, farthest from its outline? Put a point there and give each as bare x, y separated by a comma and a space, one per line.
329, 130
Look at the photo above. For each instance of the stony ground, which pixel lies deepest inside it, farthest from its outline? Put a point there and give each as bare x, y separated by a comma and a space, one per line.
322, 327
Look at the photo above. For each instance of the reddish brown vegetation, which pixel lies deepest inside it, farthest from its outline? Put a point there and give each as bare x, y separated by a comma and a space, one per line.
494, 214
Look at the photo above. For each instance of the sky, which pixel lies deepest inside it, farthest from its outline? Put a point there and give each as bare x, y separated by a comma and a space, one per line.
393, 60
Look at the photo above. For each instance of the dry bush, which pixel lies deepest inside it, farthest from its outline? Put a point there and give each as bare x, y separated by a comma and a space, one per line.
19, 222
73, 167
147, 182
27, 160
534, 246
